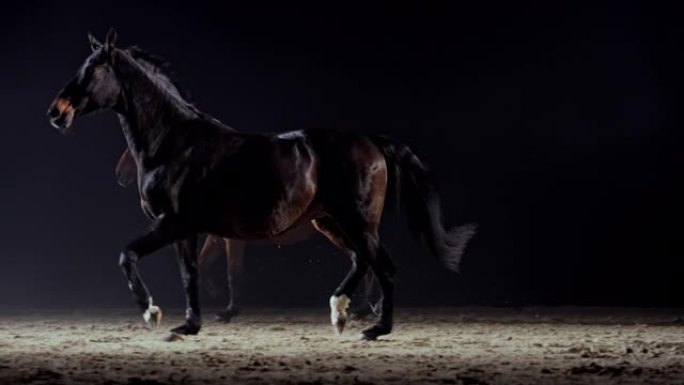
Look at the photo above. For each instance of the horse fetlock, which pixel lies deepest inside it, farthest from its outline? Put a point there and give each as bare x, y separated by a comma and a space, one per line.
152, 315
193, 318
338, 312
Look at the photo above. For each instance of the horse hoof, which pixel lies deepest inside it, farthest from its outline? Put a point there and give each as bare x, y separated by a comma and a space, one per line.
186, 329
152, 316
225, 316
375, 331
339, 326
172, 337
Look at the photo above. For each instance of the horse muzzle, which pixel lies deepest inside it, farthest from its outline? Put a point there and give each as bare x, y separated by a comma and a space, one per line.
61, 114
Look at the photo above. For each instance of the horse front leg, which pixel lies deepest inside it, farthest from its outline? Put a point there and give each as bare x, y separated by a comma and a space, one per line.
187, 259
164, 231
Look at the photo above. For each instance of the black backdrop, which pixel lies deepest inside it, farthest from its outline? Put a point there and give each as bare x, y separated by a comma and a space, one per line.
555, 127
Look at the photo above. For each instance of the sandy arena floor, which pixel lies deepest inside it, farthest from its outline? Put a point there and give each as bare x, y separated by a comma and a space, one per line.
439, 346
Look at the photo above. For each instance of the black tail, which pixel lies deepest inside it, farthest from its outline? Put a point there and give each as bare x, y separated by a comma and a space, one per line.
409, 179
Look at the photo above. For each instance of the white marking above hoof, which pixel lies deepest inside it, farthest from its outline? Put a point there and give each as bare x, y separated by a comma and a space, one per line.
152, 316
338, 312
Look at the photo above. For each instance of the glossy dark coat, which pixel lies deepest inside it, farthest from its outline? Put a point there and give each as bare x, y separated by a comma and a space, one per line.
233, 251
196, 175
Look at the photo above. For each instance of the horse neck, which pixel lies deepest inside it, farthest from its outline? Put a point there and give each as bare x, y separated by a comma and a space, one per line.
147, 111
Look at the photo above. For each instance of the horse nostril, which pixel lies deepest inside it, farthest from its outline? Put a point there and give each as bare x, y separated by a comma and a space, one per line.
54, 112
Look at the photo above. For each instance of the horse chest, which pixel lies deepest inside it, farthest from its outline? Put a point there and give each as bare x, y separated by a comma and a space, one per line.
153, 191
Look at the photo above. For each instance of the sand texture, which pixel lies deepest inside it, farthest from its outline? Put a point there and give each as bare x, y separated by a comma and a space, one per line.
428, 346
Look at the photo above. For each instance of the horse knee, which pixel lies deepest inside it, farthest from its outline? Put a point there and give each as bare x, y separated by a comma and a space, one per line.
126, 259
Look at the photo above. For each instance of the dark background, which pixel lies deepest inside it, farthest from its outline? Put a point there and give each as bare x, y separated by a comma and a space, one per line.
556, 128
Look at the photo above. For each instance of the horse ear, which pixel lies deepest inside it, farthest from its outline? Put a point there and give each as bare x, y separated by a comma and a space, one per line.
94, 44
112, 36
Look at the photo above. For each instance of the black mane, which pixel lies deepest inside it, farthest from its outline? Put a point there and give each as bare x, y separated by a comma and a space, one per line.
159, 68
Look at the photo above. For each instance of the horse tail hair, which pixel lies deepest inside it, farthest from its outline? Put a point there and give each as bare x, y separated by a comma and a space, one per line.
410, 183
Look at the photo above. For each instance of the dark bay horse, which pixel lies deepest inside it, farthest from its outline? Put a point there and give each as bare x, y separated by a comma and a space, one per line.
233, 250
195, 175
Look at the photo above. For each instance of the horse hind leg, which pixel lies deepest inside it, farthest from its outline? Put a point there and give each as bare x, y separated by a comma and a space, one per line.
361, 233
368, 248
384, 270
235, 251
367, 295
339, 301
212, 248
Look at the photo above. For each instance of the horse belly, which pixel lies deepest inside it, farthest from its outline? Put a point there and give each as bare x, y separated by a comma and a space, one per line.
264, 207
290, 211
